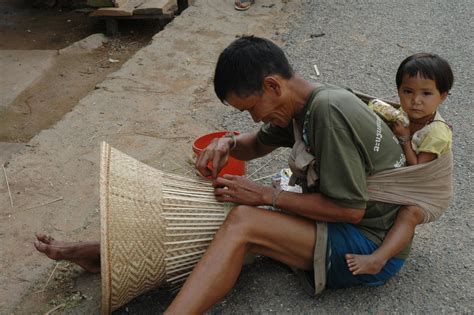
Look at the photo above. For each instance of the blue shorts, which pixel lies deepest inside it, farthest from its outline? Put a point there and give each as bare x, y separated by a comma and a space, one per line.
347, 239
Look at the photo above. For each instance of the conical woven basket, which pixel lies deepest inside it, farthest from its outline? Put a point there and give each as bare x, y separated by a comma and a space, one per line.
154, 226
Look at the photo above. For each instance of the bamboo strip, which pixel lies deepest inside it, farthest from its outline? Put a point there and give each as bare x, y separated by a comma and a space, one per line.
184, 255
179, 276
8, 186
182, 262
180, 269
268, 162
192, 228
173, 191
214, 202
174, 195
178, 196
168, 194
173, 264
189, 234
186, 179
190, 211
191, 224
188, 241
194, 187
188, 247
165, 205
178, 281
196, 219
197, 214
169, 190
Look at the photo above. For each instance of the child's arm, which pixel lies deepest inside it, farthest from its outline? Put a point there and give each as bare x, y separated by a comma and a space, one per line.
403, 134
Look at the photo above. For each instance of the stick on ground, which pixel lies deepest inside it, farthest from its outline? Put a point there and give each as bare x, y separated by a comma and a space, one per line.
8, 185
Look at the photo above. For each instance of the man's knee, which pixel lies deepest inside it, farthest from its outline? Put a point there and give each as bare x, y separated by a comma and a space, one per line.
238, 221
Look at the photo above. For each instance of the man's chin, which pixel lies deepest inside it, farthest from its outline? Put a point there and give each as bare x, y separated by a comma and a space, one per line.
281, 124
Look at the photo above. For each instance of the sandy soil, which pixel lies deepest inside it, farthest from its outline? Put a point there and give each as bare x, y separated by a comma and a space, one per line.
72, 76
152, 108
162, 98
69, 78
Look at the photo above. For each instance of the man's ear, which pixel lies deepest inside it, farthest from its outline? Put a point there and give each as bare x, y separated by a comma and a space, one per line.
272, 84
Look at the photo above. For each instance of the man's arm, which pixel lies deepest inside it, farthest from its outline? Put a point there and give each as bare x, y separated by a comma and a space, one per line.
314, 206
318, 207
246, 147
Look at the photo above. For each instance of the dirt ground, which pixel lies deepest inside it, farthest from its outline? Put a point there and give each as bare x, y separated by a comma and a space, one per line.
161, 98
151, 107
72, 76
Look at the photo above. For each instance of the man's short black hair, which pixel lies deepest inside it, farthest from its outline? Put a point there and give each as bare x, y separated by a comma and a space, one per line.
428, 66
244, 64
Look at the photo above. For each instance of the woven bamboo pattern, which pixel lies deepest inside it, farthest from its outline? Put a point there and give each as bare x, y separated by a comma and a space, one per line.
154, 226
192, 217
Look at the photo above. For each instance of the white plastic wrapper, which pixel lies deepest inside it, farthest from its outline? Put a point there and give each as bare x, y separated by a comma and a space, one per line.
387, 112
282, 179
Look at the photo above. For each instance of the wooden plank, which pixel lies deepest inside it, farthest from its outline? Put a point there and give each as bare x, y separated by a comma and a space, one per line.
119, 3
154, 7
125, 10
99, 3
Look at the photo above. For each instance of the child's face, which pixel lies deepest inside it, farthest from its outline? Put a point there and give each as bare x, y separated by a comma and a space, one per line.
419, 97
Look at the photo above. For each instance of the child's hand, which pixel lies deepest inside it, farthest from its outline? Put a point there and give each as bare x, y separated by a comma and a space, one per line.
399, 130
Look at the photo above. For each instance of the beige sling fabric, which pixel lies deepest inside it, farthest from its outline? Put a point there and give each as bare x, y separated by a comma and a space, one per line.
428, 185
301, 163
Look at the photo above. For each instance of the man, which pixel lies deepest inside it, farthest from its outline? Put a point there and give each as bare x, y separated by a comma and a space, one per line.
337, 142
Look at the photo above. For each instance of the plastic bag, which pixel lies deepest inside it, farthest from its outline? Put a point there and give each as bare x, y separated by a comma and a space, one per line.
387, 112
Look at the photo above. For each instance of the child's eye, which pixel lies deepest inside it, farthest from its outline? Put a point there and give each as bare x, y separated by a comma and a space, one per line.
406, 91
427, 93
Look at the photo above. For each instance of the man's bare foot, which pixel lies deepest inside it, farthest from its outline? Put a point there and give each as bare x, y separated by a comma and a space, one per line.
364, 264
84, 254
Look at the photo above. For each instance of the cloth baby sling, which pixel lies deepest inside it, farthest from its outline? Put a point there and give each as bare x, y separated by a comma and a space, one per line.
428, 185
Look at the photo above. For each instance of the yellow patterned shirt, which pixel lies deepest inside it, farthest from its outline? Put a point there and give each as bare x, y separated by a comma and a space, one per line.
435, 137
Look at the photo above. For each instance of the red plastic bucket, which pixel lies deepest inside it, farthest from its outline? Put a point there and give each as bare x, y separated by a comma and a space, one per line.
234, 166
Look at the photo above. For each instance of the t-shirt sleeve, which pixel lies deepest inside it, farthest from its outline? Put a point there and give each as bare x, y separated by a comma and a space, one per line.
341, 170
437, 140
275, 136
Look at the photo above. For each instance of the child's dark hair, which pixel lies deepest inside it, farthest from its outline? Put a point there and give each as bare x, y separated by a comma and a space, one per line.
244, 64
428, 66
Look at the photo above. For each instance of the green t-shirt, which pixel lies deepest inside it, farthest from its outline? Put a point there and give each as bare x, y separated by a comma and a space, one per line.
349, 143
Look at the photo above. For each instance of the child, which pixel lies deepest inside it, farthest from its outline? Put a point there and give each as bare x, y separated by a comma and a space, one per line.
423, 82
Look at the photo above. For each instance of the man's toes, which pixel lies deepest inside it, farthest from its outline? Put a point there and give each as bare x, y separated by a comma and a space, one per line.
40, 246
45, 238
48, 250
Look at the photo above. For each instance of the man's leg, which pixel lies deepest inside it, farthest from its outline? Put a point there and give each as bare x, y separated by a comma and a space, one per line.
84, 254
285, 238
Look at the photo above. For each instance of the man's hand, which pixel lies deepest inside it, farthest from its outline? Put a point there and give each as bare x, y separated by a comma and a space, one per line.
216, 152
240, 190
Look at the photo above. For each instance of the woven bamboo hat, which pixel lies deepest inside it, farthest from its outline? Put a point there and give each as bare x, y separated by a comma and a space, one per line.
154, 226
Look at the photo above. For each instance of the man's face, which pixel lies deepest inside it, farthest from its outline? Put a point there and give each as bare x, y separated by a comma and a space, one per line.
265, 107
